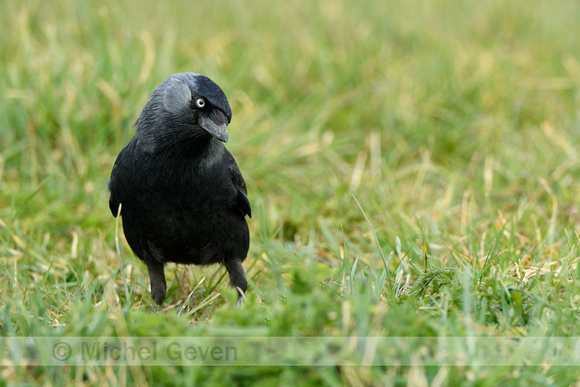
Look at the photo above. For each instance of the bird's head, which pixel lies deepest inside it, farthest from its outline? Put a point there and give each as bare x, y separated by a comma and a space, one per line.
184, 106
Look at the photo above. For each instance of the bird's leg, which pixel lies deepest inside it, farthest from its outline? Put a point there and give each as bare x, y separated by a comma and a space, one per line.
157, 278
237, 278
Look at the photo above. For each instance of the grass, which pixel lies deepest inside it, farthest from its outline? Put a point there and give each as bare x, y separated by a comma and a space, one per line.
413, 170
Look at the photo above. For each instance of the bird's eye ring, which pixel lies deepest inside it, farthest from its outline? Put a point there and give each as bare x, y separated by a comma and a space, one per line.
200, 102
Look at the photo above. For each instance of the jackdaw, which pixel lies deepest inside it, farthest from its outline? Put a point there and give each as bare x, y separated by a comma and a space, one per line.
181, 193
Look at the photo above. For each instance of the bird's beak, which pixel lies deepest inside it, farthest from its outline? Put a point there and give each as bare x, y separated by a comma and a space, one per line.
216, 125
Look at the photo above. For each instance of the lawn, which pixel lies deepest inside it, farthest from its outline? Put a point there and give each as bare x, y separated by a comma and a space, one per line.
413, 170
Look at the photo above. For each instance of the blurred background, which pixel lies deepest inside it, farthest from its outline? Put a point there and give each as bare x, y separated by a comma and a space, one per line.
380, 141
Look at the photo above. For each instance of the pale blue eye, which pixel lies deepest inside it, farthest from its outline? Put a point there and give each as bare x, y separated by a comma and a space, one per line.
200, 102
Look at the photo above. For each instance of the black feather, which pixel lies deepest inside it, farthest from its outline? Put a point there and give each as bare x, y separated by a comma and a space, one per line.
183, 197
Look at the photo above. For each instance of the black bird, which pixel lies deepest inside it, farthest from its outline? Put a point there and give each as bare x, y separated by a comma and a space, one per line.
182, 196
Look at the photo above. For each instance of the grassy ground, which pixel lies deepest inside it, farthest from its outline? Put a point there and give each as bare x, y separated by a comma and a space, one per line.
413, 169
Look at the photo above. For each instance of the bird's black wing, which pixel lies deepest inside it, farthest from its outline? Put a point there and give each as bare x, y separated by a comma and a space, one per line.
242, 201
